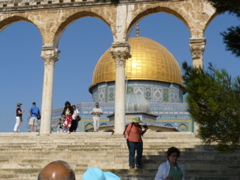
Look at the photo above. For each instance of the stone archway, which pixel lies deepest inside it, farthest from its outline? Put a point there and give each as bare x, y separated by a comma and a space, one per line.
52, 17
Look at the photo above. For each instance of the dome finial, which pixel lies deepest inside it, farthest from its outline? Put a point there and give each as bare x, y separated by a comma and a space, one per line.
137, 30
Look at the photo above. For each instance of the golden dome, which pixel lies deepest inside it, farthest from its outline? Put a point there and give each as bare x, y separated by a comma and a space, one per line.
149, 61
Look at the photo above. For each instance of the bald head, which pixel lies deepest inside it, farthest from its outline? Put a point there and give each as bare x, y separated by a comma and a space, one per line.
57, 170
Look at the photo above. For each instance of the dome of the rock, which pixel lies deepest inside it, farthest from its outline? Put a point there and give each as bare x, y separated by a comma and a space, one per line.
150, 61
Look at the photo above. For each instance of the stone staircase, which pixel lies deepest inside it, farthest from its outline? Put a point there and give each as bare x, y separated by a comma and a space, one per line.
23, 155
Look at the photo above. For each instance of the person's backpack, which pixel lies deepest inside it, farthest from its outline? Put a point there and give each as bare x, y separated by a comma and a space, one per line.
126, 128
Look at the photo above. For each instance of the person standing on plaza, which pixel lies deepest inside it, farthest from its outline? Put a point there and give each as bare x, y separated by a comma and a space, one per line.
133, 135
67, 114
96, 112
34, 113
75, 119
19, 119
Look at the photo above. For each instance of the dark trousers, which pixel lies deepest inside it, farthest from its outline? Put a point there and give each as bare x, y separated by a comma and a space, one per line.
74, 126
132, 147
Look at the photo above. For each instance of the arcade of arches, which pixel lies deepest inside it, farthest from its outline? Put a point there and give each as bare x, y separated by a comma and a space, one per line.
53, 17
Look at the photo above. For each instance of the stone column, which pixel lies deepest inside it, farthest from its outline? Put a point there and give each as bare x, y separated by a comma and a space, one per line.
120, 52
50, 56
197, 47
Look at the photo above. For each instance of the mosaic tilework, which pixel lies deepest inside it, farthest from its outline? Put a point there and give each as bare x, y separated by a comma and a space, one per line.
166, 95
139, 90
129, 90
95, 97
175, 95
183, 127
152, 91
157, 94
148, 93
111, 94
101, 95
88, 125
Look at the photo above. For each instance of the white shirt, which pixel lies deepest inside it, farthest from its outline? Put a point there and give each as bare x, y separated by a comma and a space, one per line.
75, 112
164, 169
94, 110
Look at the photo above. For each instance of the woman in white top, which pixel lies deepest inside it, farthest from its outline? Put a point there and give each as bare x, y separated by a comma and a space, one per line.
171, 170
74, 119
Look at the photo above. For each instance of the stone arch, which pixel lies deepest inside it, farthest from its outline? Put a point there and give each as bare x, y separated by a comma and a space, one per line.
76, 16
154, 10
210, 20
13, 19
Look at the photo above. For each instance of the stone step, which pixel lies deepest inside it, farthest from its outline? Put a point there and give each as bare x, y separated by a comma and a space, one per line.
83, 135
23, 155
147, 160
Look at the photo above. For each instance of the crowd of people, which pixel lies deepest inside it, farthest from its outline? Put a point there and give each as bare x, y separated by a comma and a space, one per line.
169, 170
69, 123
70, 114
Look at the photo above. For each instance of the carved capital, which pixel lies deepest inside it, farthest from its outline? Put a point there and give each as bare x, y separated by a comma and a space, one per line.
197, 47
120, 52
49, 55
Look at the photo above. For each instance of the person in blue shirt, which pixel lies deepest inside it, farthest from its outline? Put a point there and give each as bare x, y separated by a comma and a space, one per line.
34, 113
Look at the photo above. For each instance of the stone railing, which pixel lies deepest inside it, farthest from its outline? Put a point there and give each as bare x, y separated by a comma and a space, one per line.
19, 3
6, 4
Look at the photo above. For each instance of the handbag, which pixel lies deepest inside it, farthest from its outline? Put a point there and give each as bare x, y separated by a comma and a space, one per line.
78, 118
39, 116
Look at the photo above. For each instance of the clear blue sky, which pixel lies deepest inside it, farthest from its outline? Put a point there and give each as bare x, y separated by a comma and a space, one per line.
81, 45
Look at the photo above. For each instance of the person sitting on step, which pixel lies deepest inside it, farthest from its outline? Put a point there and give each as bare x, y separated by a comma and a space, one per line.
171, 169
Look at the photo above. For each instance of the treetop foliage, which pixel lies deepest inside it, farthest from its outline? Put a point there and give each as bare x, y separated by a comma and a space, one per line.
214, 103
232, 6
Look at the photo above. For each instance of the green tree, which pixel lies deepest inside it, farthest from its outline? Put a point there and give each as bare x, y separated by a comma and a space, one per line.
214, 103
231, 37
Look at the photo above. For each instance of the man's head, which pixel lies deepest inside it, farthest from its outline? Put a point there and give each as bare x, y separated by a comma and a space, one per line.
57, 170
34, 104
96, 104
